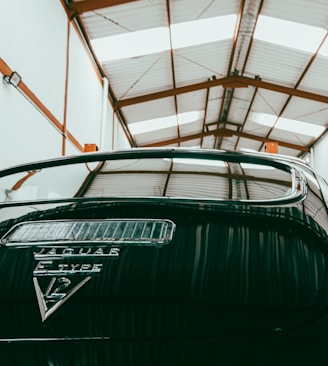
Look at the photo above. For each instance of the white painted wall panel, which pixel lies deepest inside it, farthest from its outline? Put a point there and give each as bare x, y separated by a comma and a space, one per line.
84, 95
120, 140
26, 135
319, 157
34, 38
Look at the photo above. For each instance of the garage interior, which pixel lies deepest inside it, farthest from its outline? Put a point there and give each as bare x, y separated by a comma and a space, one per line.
246, 76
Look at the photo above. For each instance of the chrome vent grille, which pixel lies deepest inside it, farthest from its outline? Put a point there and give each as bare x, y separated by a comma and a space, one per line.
118, 231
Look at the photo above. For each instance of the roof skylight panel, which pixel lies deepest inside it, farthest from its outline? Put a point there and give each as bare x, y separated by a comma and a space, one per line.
281, 32
203, 31
156, 40
324, 49
299, 127
264, 119
165, 122
287, 124
132, 44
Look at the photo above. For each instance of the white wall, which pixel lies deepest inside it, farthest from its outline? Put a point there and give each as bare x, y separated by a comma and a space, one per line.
120, 140
25, 134
319, 157
84, 95
35, 37
33, 42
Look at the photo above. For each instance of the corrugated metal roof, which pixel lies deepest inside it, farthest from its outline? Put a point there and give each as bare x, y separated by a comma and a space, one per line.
208, 77
276, 63
307, 111
316, 79
134, 16
313, 13
201, 62
187, 10
150, 110
141, 75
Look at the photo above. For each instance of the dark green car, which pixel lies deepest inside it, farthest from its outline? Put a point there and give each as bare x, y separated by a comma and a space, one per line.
163, 257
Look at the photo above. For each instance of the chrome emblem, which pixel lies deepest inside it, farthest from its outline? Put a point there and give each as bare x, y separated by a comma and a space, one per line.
68, 254
62, 271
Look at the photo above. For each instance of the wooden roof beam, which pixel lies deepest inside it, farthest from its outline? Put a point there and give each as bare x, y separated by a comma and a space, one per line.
224, 132
80, 7
229, 81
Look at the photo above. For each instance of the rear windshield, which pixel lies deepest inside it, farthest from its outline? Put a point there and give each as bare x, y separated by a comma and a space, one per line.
189, 178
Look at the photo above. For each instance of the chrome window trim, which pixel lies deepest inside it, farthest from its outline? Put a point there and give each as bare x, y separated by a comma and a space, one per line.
298, 191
